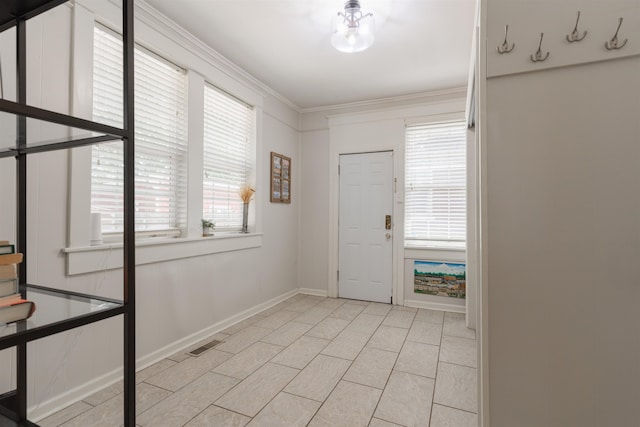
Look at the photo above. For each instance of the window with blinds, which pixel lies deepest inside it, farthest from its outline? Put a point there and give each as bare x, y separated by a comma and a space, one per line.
160, 159
229, 157
435, 179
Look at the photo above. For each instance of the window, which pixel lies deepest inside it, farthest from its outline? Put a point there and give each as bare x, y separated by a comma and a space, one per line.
159, 137
435, 179
229, 156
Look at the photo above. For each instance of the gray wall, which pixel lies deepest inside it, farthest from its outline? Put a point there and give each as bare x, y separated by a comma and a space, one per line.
562, 228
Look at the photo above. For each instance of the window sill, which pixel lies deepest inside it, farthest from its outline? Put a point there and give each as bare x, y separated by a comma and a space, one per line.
434, 252
89, 259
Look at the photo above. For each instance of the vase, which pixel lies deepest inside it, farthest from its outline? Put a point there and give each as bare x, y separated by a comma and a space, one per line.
245, 217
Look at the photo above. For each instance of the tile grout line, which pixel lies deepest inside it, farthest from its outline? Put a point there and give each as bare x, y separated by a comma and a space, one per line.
392, 368
457, 409
435, 381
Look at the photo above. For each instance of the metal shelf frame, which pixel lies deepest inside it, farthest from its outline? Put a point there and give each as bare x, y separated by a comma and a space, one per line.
16, 13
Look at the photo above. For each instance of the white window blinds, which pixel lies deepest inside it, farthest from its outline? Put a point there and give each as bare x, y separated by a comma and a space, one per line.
160, 160
435, 179
228, 157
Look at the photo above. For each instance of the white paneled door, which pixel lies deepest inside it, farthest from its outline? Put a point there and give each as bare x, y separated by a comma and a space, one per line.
365, 232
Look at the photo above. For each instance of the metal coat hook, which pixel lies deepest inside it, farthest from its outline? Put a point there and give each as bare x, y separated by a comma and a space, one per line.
538, 56
613, 43
575, 36
504, 47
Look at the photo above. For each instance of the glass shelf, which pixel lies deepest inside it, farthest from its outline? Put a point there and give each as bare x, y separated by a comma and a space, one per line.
56, 311
48, 130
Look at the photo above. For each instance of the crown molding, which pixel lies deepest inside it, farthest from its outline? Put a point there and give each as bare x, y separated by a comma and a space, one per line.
379, 102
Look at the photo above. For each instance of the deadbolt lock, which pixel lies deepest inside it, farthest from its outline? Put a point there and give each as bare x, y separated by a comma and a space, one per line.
387, 222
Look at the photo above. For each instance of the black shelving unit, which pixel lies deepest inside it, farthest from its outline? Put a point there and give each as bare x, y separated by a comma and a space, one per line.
79, 309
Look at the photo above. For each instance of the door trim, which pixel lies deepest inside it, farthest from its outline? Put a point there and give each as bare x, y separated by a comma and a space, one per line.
334, 205
366, 289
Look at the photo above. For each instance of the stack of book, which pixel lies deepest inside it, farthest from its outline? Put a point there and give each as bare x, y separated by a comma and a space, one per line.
12, 306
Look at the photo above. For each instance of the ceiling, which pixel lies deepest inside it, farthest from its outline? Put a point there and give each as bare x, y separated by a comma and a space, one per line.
421, 45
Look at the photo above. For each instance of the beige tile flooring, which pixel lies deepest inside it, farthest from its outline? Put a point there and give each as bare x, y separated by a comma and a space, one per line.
308, 361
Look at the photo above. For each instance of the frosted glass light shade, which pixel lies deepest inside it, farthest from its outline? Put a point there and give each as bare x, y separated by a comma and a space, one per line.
352, 36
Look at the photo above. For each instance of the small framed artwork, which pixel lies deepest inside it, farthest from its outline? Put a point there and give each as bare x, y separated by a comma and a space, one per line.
441, 278
280, 178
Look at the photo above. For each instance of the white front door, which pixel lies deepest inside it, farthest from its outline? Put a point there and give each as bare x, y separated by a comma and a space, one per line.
365, 235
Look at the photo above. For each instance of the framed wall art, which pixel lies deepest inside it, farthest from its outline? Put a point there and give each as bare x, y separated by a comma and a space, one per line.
280, 178
442, 278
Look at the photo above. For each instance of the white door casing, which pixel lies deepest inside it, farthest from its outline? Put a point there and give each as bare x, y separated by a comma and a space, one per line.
365, 245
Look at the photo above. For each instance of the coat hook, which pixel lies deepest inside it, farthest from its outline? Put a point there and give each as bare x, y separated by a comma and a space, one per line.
538, 57
575, 34
613, 43
504, 47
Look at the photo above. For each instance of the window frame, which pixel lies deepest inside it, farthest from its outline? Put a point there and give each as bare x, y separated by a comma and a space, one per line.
248, 164
423, 241
176, 159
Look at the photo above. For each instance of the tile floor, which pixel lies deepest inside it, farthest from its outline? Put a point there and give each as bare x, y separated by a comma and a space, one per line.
308, 361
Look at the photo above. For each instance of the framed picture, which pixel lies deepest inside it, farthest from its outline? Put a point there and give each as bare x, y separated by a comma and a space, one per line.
280, 178
441, 278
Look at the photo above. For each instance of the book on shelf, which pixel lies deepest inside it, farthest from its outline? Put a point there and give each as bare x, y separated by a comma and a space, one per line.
8, 271
10, 259
8, 287
14, 308
6, 248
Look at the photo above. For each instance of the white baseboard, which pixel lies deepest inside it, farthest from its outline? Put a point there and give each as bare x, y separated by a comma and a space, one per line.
314, 292
194, 338
76, 394
51, 406
435, 306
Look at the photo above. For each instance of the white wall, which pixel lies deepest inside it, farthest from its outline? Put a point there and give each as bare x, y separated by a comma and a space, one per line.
314, 211
562, 225
177, 301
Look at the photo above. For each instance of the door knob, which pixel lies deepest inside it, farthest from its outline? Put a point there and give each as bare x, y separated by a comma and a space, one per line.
387, 236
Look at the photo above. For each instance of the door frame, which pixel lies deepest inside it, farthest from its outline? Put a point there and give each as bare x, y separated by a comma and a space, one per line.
335, 151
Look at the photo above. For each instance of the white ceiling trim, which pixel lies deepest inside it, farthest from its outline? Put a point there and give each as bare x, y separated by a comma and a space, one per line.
453, 92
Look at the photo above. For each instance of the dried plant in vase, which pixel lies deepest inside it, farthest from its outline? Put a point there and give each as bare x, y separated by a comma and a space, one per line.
246, 193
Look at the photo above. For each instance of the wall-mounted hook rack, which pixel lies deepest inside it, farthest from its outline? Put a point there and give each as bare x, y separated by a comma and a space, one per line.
538, 56
614, 43
505, 47
575, 36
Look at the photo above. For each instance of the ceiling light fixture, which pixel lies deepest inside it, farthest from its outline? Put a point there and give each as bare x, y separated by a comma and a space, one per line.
352, 31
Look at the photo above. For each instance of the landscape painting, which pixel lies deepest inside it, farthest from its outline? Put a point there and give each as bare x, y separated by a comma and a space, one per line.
447, 279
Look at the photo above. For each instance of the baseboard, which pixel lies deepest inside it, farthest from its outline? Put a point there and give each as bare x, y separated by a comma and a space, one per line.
76, 394
435, 306
314, 292
194, 338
